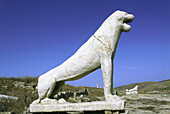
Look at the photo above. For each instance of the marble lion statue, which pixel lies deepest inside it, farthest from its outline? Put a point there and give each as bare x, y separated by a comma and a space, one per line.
97, 52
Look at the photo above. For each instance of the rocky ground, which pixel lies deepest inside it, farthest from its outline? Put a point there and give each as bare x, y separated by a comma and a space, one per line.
148, 103
153, 97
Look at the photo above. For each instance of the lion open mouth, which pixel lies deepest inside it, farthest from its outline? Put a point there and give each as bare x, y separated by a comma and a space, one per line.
128, 21
129, 18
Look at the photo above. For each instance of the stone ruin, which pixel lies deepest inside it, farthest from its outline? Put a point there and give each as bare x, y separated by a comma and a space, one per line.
133, 91
75, 97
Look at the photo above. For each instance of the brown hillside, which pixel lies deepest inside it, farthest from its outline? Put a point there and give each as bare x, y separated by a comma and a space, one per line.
25, 90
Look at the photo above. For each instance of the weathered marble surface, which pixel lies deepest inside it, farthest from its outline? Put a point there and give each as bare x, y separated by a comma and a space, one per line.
97, 52
87, 106
132, 91
8, 97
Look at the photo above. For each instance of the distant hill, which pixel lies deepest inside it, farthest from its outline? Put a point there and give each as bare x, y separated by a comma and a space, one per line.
144, 87
25, 90
149, 87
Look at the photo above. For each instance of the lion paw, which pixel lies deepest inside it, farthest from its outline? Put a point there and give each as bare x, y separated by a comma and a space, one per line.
49, 101
113, 98
62, 100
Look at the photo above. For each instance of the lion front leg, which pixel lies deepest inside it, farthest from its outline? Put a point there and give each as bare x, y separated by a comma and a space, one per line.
107, 72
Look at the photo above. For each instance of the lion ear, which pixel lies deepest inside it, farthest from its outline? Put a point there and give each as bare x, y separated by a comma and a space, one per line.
118, 10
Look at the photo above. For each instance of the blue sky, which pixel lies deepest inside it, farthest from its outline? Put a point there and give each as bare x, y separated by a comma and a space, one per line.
38, 35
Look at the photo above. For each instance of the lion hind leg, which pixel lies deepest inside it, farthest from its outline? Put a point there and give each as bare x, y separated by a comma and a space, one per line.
46, 86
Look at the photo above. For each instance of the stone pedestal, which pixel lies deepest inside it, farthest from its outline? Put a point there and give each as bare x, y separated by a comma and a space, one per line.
78, 107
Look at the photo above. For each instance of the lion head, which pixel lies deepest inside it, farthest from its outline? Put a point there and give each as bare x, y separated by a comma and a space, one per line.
115, 24
122, 18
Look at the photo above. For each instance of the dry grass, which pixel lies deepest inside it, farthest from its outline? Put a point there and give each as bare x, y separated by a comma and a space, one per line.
27, 95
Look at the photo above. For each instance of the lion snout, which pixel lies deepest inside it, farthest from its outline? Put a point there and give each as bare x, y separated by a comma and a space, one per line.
128, 18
